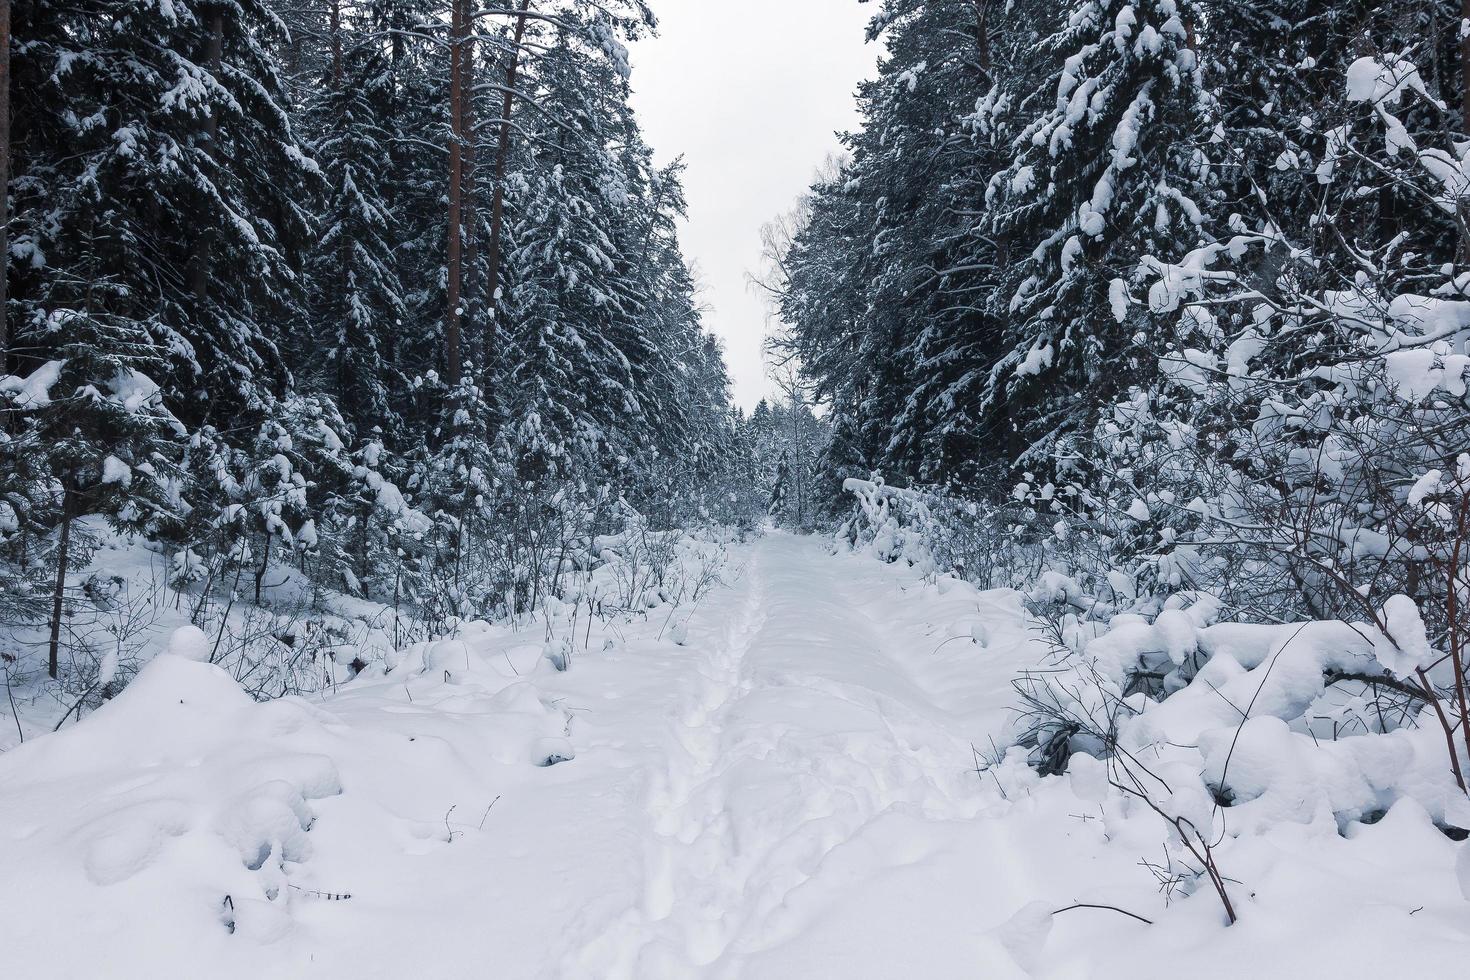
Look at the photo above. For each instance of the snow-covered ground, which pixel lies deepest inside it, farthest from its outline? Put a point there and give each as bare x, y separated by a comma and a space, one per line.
797, 777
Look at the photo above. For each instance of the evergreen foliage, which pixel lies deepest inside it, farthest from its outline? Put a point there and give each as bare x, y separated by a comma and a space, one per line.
228, 287
960, 292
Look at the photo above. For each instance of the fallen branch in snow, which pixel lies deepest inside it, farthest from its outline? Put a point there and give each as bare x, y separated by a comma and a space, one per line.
1381, 680
1109, 908
326, 896
6, 660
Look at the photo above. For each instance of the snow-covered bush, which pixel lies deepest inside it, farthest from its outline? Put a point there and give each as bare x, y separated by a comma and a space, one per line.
938, 532
1316, 430
1255, 569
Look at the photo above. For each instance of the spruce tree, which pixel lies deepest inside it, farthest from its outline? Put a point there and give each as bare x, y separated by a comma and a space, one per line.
161, 156
356, 297
1112, 172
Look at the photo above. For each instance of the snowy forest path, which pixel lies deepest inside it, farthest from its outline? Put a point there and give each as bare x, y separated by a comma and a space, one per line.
789, 789
797, 749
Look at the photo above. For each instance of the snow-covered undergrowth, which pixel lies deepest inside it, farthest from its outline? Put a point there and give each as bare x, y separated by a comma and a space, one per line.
1216, 747
802, 771
123, 607
126, 605
178, 825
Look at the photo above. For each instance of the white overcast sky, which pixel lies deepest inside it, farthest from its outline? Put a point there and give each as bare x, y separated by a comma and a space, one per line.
751, 93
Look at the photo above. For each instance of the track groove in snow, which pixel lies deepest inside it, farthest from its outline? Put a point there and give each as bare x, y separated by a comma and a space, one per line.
788, 795
779, 796
788, 744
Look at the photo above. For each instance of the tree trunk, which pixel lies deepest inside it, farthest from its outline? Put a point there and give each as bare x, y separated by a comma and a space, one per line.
982, 37
265, 564
497, 196
1464, 65
396, 56
467, 195
459, 29
58, 594
345, 389
798, 452
336, 27
199, 269
5, 182
1463, 27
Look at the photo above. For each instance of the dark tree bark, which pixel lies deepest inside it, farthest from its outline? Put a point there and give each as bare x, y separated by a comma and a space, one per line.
497, 196
982, 37
467, 195
1464, 66
336, 28
459, 35
5, 181
58, 592
203, 255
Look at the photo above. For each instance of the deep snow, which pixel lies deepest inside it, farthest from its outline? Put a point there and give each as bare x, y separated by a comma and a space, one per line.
795, 779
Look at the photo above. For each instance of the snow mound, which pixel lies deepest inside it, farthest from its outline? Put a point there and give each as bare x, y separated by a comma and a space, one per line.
188, 643
185, 797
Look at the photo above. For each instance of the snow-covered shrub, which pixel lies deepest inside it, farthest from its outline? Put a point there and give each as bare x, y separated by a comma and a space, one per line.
641, 567
1288, 511
1254, 567
938, 532
1317, 428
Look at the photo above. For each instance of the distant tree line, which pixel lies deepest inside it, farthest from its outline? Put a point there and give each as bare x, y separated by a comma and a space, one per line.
389, 290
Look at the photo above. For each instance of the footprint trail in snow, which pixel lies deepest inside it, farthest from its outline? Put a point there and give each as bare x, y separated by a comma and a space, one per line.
800, 731
785, 793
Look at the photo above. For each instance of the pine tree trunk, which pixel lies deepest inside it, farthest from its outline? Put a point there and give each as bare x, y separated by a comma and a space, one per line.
265, 564
467, 196
199, 270
799, 461
5, 182
396, 56
396, 164
1463, 27
336, 26
497, 196
58, 593
982, 37
345, 389
1464, 65
458, 30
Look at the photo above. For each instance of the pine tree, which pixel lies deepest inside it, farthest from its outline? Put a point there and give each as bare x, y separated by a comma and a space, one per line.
575, 328
97, 419
1112, 173
356, 297
159, 153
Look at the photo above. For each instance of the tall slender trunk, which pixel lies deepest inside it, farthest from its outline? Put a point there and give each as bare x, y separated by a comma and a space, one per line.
345, 389
396, 165
497, 196
1463, 27
798, 452
396, 55
467, 195
58, 593
458, 29
336, 28
5, 182
260, 570
982, 38
204, 247
1464, 64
